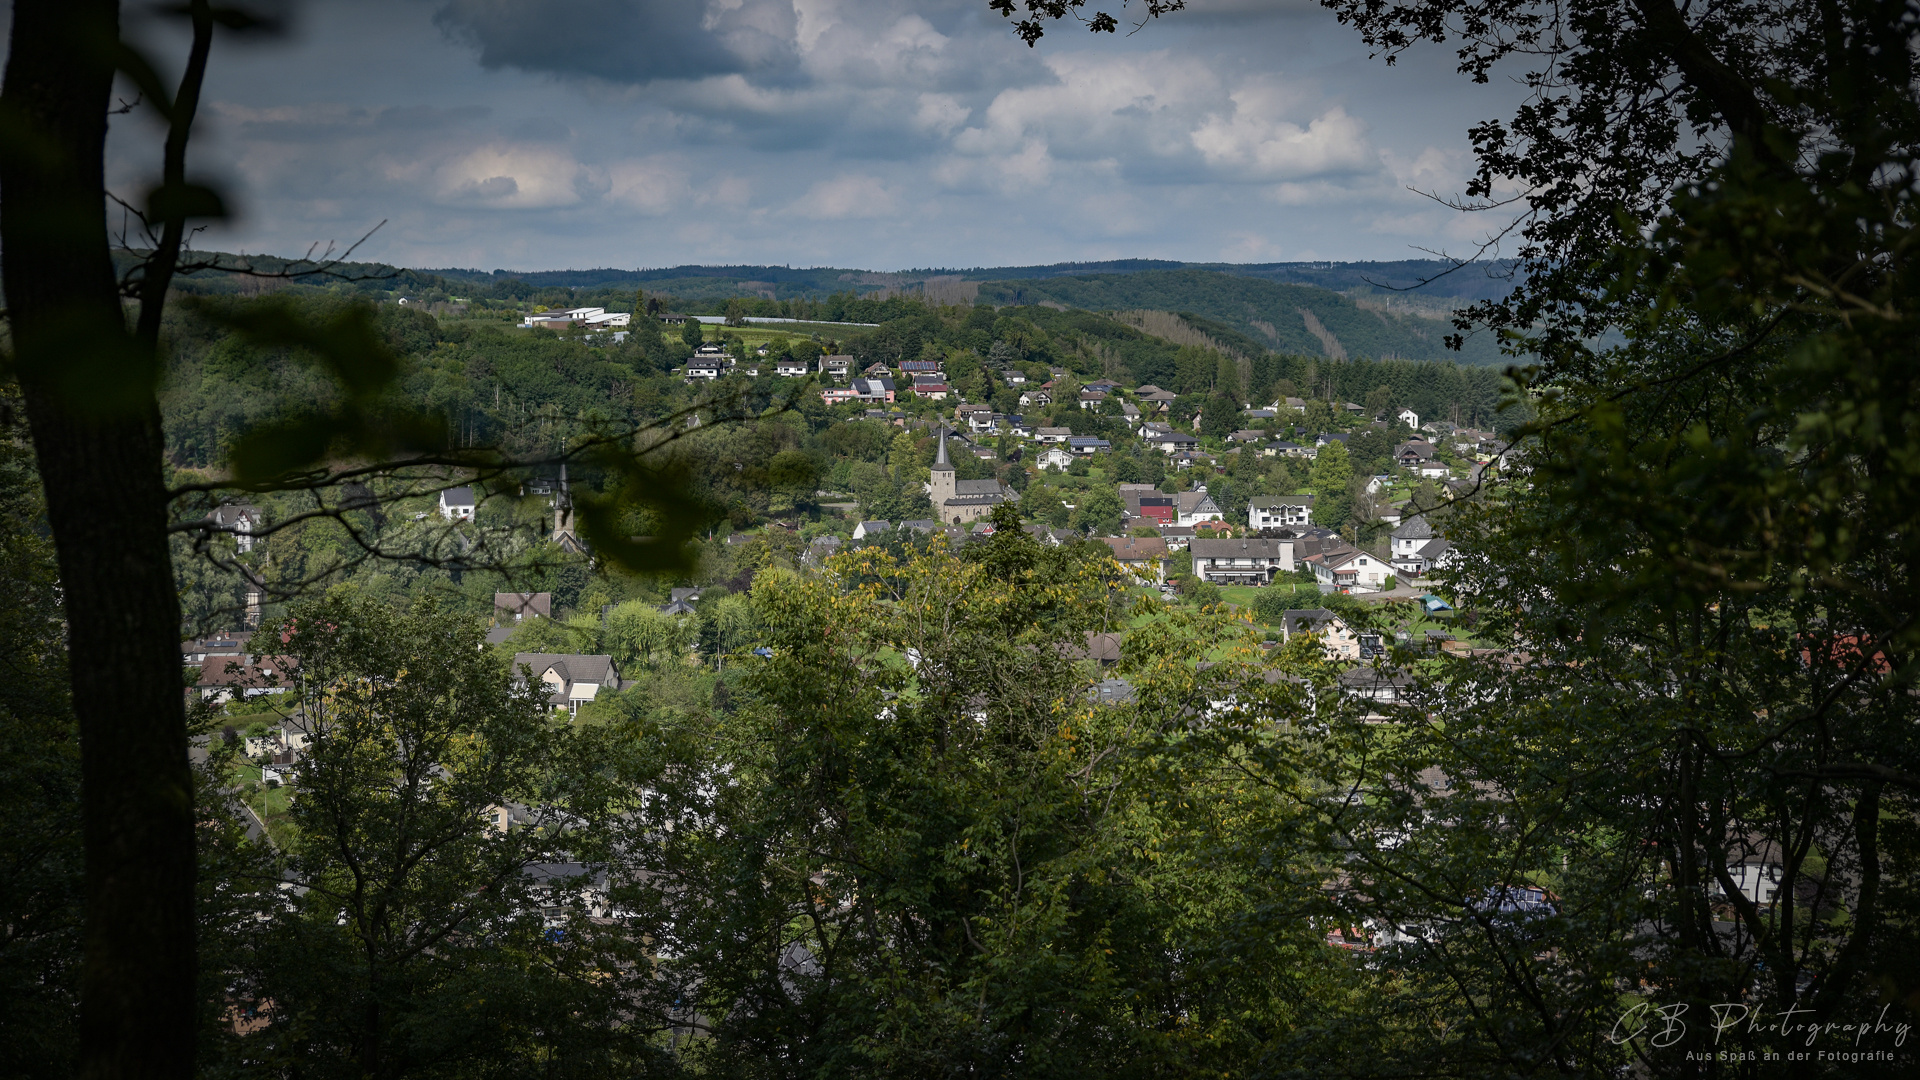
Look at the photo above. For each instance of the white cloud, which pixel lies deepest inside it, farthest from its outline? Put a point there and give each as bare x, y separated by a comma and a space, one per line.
511, 177
844, 197
1256, 145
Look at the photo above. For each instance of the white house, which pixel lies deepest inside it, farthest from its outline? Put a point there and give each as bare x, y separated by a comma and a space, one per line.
1417, 549
792, 369
1336, 637
240, 521
1052, 434
870, 528
1194, 507
1170, 442
1346, 569
839, 366
1277, 511
1055, 457
1409, 418
570, 679
1241, 562
456, 504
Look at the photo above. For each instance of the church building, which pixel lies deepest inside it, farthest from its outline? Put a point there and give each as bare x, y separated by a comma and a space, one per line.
957, 502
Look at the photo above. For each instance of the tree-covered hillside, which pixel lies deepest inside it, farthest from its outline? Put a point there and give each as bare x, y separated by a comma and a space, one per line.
1288, 318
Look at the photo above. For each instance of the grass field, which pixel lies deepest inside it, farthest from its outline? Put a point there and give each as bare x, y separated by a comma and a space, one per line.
269, 803
1244, 595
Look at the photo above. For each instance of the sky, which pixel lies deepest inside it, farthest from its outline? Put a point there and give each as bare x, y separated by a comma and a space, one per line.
568, 134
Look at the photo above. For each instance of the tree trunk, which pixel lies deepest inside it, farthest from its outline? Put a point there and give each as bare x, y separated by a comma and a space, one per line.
91, 404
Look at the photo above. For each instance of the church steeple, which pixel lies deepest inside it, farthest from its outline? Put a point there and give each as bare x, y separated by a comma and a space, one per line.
940, 483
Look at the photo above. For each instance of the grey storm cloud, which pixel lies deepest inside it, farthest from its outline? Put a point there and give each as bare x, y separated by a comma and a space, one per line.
628, 41
873, 133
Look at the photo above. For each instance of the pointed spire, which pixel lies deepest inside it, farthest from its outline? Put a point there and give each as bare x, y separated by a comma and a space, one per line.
941, 461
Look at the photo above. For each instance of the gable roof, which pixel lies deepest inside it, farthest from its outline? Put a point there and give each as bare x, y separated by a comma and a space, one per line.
1310, 621
1415, 527
518, 604
571, 667
1136, 548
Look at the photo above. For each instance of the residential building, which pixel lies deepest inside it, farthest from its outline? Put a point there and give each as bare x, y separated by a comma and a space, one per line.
839, 395
1283, 448
874, 389
1241, 562
1295, 404
1177, 536
1416, 549
702, 369
457, 504
1036, 398
1194, 507
1087, 444
1013, 377
1053, 434
790, 368
1143, 557
1278, 511
1090, 400
920, 367
1247, 435
1412, 452
1148, 502
1409, 418
1339, 640
870, 528
240, 522
961, 501
1055, 458
1378, 685
570, 679
513, 607
1348, 569
1171, 442
932, 391
230, 676
837, 366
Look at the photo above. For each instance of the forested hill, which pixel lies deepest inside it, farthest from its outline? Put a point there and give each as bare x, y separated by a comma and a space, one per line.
1288, 318
1384, 311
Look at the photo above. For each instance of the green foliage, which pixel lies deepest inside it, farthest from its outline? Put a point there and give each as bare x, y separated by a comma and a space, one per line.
1331, 480
1244, 303
39, 792
1098, 511
418, 935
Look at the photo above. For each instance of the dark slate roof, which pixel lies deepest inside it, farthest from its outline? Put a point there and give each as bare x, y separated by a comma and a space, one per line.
1236, 549
1415, 527
1308, 620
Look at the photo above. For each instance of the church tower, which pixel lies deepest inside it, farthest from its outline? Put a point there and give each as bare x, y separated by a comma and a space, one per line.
942, 479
